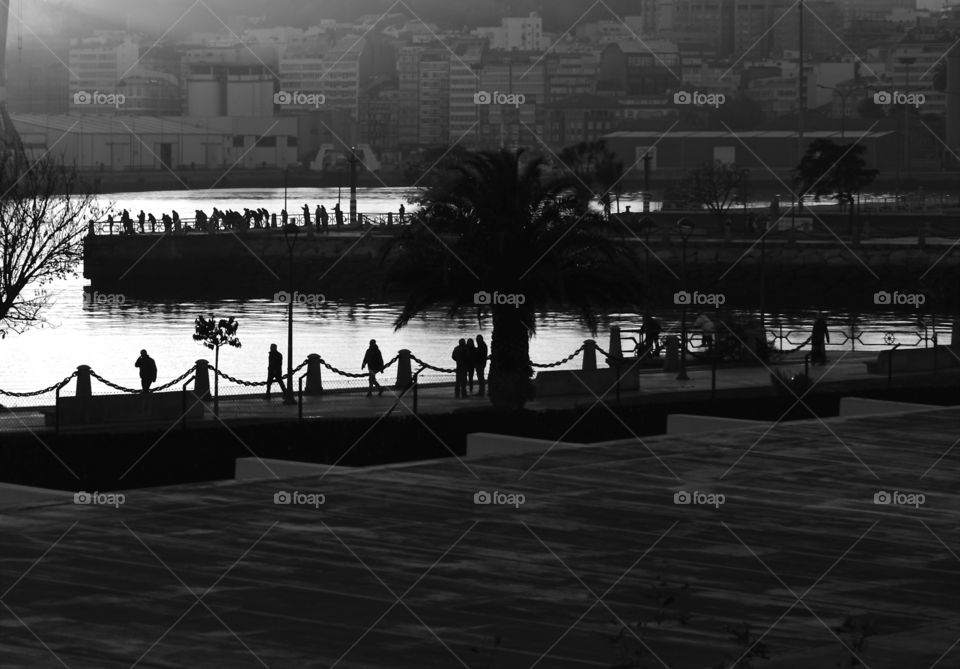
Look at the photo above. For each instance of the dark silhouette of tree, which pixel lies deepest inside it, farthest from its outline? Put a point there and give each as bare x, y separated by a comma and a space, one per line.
499, 227
44, 209
598, 168
867, 108
213, 334
838, 171
716, 186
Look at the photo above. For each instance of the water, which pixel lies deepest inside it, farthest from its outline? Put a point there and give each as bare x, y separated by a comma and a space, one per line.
109, 337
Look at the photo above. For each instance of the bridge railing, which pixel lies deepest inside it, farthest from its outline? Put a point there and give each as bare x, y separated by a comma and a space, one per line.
273, 223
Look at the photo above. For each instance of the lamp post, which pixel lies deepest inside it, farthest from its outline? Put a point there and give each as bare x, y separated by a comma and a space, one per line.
686, 228
286, 171
844, 94
290, 233
907, 62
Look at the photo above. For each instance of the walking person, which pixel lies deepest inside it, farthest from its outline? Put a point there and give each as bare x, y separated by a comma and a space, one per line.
275, 370
480, 365
471, 364
460, 359
148, 373
650, 331
373, 362
323, 217
818, 340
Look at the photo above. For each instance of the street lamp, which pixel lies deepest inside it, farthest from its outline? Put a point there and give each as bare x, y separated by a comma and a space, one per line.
286, 171
290, 233
686, 228
844, 94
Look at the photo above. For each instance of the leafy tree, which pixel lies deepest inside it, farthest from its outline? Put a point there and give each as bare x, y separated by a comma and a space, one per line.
598, 168
499, 225
717, 186
867, 108
43, 212
213, 334
838, 171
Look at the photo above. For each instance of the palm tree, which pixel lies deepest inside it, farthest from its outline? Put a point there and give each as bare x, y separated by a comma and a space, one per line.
497, 235
597, 168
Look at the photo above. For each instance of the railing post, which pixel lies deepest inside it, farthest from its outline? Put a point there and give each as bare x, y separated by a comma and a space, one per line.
84, 393
615, 350
201, 381
300, 399
404, 378
314, 375
713, 377
416, 395
590, 355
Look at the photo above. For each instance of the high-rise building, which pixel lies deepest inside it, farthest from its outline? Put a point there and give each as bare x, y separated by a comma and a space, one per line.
37, 79
231, 81
515, 34
96, 67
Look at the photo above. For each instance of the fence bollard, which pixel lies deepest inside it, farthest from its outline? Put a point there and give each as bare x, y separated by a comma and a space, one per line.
404, 377
83, 382
389, 218
314, 375
590, 355
201, 381
615, 350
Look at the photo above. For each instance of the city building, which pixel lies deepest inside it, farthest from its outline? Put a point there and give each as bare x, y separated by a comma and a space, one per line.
633, 68
515, 34
38, 82
233, 81
572, 70
96, 67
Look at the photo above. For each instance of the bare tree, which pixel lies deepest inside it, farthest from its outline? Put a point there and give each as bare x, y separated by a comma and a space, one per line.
43, 209
716, 186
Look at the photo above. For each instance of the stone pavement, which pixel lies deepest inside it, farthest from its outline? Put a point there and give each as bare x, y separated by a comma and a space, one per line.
400, 568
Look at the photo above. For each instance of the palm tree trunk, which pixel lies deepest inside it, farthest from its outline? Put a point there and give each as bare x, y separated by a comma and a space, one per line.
510, 371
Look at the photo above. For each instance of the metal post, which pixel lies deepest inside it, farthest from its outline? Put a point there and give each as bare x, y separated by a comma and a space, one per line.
713, 377
682, 374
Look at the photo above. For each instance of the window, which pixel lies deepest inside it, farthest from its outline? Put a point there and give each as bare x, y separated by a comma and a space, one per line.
267, 142
238, 141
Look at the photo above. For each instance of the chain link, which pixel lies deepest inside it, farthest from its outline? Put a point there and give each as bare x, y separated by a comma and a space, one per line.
34, 393
175, 381
432, 367
559, 362
253, 384
112, 384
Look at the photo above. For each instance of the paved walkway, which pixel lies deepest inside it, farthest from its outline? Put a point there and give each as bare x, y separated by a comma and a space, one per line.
400, 568
844, 367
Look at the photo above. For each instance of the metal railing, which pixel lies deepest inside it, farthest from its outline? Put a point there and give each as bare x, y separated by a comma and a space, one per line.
229, 225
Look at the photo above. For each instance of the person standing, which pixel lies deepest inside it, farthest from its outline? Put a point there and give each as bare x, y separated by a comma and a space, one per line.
818, 341
148, 370
650, 331
460, 359
323, 217
471, 364
402, 213
480, 365
141, 219
283, 217
275, 370
306, 215
709, 329
316, 217
373, 362
338, 214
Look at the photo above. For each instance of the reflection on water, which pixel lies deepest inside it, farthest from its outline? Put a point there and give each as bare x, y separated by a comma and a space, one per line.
109, 338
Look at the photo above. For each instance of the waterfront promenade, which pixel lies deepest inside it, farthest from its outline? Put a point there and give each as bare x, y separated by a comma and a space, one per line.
846, 369
399, 567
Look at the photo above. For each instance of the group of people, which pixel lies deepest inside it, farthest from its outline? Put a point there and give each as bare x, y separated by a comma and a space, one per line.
470, 363
229, 219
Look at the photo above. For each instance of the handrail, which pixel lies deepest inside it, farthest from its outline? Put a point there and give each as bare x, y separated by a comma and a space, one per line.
414, 383
300, 395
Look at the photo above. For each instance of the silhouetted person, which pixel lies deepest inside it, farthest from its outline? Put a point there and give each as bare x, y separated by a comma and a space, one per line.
148, 370
141, 219
650, 331
323, 217
127, 222
402, 212
110, 223
819, 340
316, 217
706, 325
471, 364
306, 215
153, 222
283, 217
338, 214
460, 357
275, 370
176, 222
167, 223
480, 365
373, 362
